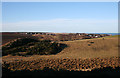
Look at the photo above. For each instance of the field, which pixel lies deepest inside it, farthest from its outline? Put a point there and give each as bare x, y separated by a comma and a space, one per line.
80, 55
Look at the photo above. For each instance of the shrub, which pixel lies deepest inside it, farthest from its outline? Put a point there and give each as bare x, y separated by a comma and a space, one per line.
44, 48
19, 42
32, 46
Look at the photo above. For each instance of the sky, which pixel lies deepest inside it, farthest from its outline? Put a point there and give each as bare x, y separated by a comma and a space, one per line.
69, 17
60, 0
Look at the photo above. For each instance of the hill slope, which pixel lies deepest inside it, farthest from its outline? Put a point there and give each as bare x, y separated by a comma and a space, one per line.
91, 48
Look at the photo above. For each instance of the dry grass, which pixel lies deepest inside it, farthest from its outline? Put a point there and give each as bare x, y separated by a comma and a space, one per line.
6, 38
89, 48
79, 55
66, 64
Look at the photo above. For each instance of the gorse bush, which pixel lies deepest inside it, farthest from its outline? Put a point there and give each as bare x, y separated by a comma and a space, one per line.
32, 46
19, 42
44, 48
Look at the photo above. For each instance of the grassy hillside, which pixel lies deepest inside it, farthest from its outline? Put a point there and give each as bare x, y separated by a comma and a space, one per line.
7, 37
88, 48
89, 55
91, 48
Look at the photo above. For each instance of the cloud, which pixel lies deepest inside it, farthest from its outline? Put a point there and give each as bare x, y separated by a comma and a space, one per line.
64, 25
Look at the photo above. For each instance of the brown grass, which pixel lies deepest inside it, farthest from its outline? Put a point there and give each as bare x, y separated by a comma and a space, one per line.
80, 49
7, 37
91, 48
77, 56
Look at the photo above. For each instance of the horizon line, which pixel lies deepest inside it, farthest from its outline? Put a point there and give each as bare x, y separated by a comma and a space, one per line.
59, 32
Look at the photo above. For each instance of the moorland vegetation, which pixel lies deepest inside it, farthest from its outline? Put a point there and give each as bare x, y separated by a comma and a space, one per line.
29, 46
